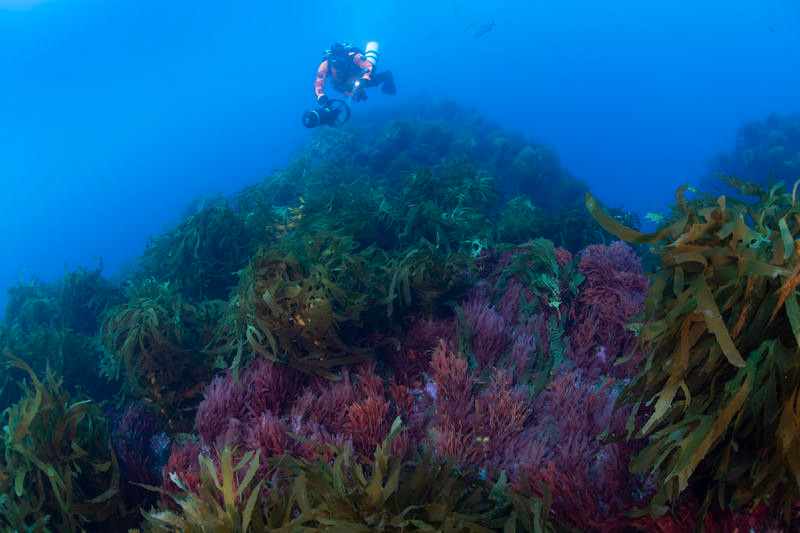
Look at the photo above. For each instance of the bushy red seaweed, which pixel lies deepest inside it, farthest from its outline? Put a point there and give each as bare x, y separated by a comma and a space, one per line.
611, 294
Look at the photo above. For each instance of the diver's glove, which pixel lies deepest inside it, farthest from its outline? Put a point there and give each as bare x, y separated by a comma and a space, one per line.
323, 100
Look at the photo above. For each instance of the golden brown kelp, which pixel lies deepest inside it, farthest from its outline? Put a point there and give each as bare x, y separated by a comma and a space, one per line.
350, 493
391, 494
302, 304
57, 471
423, 277
722, 376
230, 498
162, 345
319, 301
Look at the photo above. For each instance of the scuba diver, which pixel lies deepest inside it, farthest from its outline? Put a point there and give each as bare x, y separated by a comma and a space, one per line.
351, 71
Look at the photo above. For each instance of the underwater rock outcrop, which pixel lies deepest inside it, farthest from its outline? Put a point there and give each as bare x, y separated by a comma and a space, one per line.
417, 324
764, 151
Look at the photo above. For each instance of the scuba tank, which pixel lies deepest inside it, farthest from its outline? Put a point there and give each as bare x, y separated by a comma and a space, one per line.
371, 52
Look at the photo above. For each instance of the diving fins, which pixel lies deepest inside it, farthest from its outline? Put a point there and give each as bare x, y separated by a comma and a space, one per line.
388, 84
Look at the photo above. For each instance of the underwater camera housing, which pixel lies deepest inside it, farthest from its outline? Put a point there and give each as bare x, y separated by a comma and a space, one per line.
336, 113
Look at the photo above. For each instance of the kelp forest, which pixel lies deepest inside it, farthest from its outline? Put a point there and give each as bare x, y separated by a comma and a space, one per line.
422, 323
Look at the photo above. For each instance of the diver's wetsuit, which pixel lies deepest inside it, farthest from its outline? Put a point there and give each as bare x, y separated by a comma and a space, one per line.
345, 71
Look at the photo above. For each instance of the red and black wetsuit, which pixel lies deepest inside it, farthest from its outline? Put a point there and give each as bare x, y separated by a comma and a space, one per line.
356, 68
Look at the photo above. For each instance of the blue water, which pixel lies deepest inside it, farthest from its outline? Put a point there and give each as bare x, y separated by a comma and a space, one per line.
114, 113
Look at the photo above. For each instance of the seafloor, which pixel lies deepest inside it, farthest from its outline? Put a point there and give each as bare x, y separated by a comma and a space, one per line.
423, 323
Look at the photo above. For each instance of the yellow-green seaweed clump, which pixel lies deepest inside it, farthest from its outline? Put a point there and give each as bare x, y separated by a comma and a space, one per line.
163, 346
720, 385
57, 470
349, 493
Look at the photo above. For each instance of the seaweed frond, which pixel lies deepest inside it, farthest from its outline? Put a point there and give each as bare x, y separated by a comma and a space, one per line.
59, 469
719, 386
